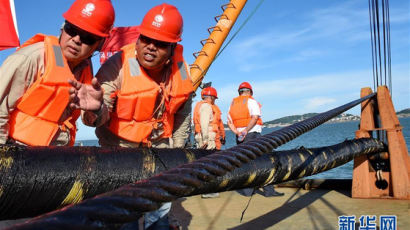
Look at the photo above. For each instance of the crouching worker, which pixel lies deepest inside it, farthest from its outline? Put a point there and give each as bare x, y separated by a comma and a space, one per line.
147, 93
34, 88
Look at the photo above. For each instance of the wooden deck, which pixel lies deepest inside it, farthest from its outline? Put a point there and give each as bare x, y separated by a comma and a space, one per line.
298, 209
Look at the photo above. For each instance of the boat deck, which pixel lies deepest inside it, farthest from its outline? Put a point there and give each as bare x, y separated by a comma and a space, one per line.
297, 209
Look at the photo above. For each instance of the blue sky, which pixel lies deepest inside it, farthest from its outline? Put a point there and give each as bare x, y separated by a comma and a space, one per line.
299, 56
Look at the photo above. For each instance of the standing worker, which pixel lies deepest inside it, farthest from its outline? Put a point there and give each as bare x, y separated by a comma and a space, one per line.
34, 81
209, 129
147, 93
244, 119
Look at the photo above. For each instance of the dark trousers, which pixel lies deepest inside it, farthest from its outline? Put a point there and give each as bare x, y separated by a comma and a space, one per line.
267, 190
248, 137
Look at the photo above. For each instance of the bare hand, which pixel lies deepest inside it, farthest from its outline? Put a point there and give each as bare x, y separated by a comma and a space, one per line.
204, 145
244, 133
85, 97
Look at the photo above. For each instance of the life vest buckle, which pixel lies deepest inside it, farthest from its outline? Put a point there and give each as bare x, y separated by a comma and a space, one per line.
66, 125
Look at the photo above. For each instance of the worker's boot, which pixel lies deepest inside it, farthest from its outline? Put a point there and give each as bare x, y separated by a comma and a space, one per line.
210, 195
269, 191
246, 191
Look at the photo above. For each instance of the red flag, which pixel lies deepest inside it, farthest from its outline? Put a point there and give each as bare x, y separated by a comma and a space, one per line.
8, 25
119, 37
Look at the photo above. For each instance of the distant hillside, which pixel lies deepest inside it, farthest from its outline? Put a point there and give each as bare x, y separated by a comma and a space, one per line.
291, 119
288, 120
284, 121
404, 113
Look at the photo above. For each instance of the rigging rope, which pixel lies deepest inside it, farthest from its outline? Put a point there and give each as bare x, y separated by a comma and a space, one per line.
230, 40
240, 28
380, 43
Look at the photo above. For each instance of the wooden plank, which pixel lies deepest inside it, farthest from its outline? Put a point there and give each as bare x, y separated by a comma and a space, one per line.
361, 178
397, 148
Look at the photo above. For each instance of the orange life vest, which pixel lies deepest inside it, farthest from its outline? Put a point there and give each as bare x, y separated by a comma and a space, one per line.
239, 112
133, 118
216, 123
36, 118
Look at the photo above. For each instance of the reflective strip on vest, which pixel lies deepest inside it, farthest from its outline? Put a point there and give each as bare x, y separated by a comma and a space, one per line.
182, 70
43, 103
134, 67
136, 100
58, 56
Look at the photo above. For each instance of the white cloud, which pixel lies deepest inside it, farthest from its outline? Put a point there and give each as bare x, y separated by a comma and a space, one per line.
339, 21
316, 103
260, 44
316, 93
306, 54
326, 32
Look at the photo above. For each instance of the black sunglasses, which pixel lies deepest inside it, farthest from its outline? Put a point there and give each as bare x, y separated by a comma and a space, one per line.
85, 37
159, 44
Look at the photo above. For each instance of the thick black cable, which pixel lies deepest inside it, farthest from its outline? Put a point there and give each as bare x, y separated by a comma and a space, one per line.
156, 155
111, 210
126, 203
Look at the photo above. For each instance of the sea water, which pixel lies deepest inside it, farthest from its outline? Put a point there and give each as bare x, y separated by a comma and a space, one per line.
324, 135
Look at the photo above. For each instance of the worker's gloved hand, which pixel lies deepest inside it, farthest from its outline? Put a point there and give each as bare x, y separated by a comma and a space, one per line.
223, 141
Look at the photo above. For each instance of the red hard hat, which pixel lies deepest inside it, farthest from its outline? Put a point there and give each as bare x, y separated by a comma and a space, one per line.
245, 85
209, 91
163, 23
93, 16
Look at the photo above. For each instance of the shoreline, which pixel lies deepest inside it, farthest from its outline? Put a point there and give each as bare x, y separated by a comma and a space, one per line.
328, 122
332, 121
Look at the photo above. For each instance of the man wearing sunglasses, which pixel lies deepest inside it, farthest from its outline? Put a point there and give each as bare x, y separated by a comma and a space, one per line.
34, 84
147, 93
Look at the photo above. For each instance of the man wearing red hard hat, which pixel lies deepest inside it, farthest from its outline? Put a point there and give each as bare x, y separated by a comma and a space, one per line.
35, 79
147, 88
244, 119
209, 129
147, 91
